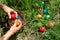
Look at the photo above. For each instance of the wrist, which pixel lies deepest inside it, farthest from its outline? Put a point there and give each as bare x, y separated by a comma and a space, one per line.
4, 38
7, 35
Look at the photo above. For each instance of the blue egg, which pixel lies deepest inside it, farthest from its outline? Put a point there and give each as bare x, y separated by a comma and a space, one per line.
18, 17
45, 11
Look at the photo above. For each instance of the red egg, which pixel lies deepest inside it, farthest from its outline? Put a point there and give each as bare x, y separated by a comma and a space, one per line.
13, 15
42, 29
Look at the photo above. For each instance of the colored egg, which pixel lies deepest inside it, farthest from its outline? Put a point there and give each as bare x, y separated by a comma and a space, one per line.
39, 16
47, 16
42, 3
17, 23
51, 23
40, 9
45, 11
42, 29
13, 15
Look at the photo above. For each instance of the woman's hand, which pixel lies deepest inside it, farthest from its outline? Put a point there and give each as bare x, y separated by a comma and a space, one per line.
7, 9
12, 30
15, 28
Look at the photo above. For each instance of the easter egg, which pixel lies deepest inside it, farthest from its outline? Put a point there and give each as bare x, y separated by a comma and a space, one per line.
42, 3
40, 9
17, 23
13, 15
47, 16
45, 11
42, 29
51, 23
39, 16
18, 17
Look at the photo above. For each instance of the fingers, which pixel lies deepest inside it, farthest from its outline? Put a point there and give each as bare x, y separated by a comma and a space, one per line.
15, 12
14, 28
14, 25
9, 15
19, 27
8, 10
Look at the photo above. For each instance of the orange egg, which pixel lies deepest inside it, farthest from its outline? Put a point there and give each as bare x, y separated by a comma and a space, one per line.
17, 23
40, 9
51, 23
39, 16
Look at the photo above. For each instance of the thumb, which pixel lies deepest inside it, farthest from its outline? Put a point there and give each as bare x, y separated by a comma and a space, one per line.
14, 25
9, 15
